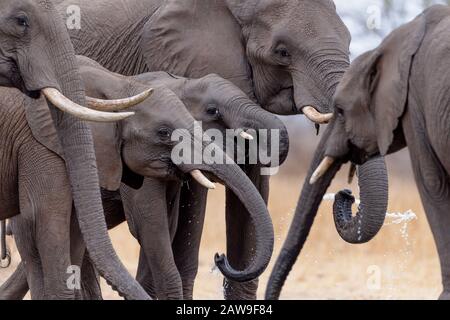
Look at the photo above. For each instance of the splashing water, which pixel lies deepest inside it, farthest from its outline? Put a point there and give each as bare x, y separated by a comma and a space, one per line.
403, 259
398, 217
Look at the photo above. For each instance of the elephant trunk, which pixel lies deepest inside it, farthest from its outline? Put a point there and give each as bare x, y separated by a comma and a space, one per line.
369, 219
236, 180
246, 115
373, 182
307, 207
76, 140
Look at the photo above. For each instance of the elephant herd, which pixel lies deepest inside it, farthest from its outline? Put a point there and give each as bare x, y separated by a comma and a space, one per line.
88, 115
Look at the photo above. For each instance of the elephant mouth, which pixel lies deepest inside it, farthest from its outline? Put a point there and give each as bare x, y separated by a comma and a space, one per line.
282, 100
16, 80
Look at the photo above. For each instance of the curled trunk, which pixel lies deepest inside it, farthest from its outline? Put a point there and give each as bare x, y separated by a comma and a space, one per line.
236, 180
369, 219
308, 205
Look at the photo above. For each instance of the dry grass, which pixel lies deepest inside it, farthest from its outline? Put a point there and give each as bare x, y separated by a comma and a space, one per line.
328, 268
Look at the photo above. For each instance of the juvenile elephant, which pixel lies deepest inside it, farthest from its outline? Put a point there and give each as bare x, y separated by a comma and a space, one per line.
219, 105
141, 147
287, 55
37, 57
395, 96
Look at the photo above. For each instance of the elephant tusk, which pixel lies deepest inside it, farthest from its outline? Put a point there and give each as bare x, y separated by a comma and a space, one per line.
119, 104
246, 136
351, 173
315, 116
202, 180
66, 105
326, 163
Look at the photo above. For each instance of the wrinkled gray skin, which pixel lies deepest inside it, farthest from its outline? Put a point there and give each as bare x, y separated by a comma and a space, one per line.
393, 97
141, 147
36, 53
219, 105
285, 54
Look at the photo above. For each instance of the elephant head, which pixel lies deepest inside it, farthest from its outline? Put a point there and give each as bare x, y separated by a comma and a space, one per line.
221, 105
292, 53
145, 146
36, 56
369, 104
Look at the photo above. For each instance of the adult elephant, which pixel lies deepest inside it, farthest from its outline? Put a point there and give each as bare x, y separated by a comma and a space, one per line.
141, 147
392, 97
36, 56
288, 55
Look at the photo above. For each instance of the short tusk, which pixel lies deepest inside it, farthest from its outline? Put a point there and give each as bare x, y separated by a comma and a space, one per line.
119, 104
315, 116
201, 179
326, 163
246, 136
83, 113
351, 173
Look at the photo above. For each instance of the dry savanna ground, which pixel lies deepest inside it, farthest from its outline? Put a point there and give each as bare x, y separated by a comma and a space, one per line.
401, 263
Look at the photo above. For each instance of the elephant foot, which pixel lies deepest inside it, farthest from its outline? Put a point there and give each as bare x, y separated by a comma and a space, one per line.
240, 291
445, 296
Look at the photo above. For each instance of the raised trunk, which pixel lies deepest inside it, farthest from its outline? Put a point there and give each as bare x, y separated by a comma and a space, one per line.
77, 143
369, 219
373, 178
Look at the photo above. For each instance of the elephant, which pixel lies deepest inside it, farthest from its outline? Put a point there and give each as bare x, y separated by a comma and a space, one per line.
392, 97
37, 57
141, 147
219, 105
287, 55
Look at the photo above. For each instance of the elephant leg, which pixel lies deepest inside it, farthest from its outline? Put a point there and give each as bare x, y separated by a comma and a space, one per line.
144, 276
433, 181
240, 237
24, 235
45, 195
16, 287
186, 245
147, 216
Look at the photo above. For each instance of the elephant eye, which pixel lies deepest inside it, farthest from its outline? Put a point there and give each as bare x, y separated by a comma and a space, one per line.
282, 52
212, 111
164, 133
22, 20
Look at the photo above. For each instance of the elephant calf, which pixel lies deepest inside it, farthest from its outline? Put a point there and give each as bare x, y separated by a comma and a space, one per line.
395, 96
132, 151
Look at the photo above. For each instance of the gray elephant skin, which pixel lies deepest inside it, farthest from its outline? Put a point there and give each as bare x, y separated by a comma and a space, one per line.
392, 97
287, 55
36, 56
141, 147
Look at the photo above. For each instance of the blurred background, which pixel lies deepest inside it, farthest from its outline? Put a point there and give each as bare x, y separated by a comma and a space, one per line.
401, 263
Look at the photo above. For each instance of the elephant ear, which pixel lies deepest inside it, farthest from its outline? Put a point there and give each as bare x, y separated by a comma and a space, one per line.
393, 62
107, 143
41, 123
193, 38
102, 84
